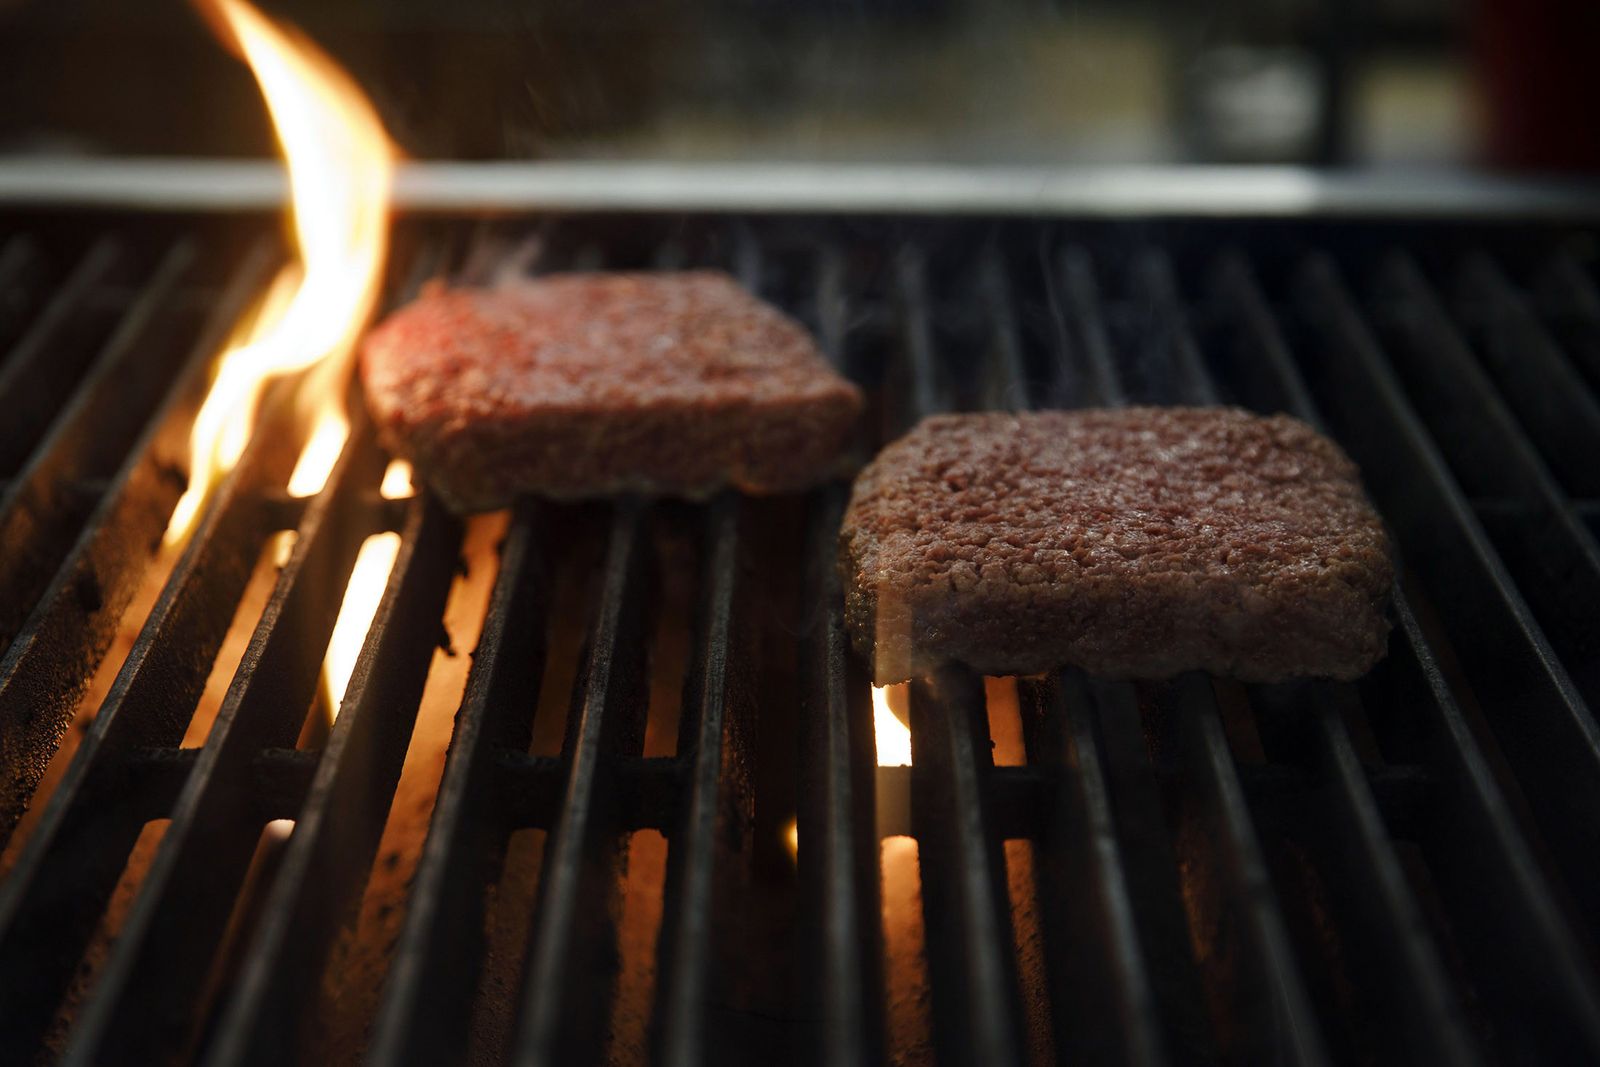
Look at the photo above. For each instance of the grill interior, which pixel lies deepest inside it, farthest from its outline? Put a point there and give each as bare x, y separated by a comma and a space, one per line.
1399, 870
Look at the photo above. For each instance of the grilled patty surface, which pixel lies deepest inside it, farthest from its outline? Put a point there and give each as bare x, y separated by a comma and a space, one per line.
579, 385
1133, 543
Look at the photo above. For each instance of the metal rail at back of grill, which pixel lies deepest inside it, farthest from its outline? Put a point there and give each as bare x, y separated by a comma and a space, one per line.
1405, 869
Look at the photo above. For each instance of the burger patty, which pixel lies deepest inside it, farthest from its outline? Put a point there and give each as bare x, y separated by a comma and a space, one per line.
582, 385
1133, 543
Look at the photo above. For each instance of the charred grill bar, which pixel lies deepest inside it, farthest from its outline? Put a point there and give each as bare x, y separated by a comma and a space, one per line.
1404, 869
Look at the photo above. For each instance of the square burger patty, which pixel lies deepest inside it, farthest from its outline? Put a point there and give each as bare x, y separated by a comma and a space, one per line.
1133, 543
582, 385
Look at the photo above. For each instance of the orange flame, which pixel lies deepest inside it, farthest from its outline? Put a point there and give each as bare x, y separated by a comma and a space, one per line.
341, 165
890, 735
893, 736
368, 578
397, 481
361, 596
321, 452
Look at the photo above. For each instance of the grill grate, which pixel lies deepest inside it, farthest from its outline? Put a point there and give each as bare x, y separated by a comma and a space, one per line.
1404, 869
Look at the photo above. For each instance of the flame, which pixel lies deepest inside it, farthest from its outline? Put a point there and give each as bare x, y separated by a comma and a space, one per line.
316, 460
361, 595
397, 481
341, 165
893, 736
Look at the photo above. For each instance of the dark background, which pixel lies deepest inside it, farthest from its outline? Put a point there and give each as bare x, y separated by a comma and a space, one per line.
1384, 82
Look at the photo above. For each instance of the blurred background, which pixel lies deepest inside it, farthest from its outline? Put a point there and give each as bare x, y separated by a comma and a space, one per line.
1505, 84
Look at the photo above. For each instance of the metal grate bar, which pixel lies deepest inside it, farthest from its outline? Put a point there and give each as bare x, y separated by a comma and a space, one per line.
1152, 874
1454, 394
1547, 545
1015, 795
281, 777
1136, 799
1471, 946
1568, 299
1535, 711
710, 817
528, 791
1266, 976
1271, 1017
49, 664
143, 1005
1084, 886
1005, 375
1095, 378
561, 1021
838, 853
977, 1016
705, 816
39, 509
1239, 291
65, 874
21, 276
157, 775
1155, 290
45, 363
1528, 968
74, 856
423, 1018
1556, 406
1495, 873
916, 327
1103, 1001
489, 783
1404, 988
749, 261
1407, 1002
336, 832
838, 847
977, 1004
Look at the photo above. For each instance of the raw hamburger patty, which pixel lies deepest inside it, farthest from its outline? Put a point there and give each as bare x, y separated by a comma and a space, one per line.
591, 384
1134, 543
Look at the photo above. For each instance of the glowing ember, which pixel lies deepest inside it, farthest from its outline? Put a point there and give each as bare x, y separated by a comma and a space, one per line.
361, 597
340, 165
791, 838
892, 735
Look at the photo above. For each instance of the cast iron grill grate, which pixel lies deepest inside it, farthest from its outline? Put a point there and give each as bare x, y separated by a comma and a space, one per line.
1404, 870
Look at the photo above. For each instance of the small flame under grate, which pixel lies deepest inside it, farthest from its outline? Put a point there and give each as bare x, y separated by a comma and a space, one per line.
660, 708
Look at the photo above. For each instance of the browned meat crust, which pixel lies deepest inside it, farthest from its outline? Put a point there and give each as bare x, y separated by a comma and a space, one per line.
1134, 543
592, 384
